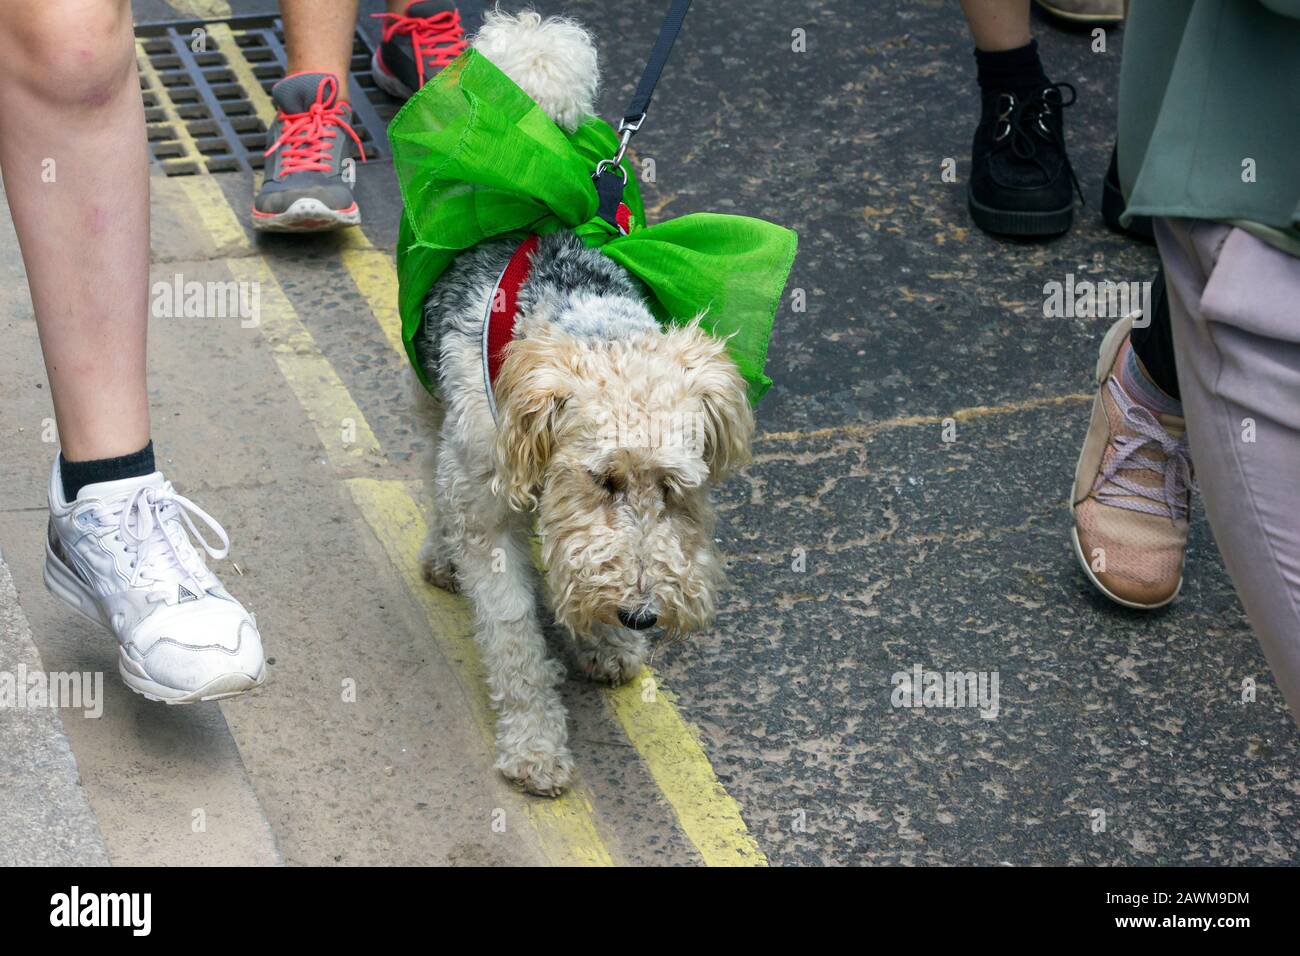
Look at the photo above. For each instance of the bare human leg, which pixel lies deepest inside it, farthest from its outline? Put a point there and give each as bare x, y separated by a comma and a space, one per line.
76, 172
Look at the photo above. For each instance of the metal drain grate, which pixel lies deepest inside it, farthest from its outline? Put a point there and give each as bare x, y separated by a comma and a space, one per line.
208, 110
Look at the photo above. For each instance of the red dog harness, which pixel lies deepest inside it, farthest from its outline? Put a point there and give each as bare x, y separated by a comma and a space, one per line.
503, 306
503, 312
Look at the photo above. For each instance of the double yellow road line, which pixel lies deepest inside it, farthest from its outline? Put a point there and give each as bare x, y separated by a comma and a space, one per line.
569, 829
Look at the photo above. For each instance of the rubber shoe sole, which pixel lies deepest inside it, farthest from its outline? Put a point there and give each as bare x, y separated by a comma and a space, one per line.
68, 588
1073, 16
306, 215
219, 688
386, 81
1012, 222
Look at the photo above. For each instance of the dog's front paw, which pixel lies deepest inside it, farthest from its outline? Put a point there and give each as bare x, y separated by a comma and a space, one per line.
609, 665
540, 772
437, 571
441, 576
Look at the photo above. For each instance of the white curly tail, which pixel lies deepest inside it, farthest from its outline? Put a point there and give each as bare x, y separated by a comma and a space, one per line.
553, 60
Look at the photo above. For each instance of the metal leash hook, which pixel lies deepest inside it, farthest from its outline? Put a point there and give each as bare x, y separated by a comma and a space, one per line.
608, 189
628, 130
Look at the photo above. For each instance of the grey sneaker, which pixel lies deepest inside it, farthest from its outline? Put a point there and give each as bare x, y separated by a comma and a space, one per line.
303, 189
418, 43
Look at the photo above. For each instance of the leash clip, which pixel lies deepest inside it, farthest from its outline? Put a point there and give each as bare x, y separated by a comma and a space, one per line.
627, 128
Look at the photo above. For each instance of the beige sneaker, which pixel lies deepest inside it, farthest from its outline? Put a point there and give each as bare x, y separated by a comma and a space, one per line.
1132, 491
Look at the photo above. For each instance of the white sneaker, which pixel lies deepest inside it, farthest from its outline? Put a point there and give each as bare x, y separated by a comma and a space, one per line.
121, 556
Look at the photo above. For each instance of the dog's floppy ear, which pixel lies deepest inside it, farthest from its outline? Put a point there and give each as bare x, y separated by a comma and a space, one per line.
533, 384
712, 377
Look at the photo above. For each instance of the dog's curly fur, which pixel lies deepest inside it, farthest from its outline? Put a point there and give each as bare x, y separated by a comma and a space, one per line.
623, 514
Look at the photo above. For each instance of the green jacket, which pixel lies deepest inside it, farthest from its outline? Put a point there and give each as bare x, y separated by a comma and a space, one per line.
1209, 114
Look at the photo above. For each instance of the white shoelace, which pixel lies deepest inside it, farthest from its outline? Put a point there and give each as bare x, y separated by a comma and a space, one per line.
1172, 498
152, 523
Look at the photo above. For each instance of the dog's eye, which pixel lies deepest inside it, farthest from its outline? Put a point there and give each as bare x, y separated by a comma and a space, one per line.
608, 481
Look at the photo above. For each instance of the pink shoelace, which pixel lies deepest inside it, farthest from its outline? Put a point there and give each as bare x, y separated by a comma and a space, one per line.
1112, 488
307, 138
435, 40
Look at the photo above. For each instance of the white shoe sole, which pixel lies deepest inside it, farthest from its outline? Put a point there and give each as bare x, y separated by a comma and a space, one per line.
386, 81
307, 215
219, 688
67, 587
1073, 16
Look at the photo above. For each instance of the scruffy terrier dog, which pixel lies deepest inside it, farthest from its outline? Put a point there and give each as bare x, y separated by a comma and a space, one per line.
622, 510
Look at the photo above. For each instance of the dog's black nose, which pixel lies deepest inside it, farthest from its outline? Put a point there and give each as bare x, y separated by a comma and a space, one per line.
639, 619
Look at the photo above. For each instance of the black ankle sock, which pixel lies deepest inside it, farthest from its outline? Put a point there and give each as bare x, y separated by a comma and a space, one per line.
77, 474
1154, 342
1012, 70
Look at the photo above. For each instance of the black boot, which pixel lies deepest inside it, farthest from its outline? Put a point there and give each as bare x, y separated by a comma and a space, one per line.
1021, 180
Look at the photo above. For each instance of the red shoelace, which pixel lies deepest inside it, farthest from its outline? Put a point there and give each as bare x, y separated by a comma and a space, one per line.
307, 138
436, 39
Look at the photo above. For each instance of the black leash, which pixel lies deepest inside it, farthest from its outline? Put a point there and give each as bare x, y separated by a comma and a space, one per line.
610, 176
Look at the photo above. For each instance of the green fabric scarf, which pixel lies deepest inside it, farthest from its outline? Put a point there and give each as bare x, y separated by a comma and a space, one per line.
477, 159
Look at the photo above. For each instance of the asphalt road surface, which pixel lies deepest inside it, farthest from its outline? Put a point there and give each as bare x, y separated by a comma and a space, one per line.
864, 541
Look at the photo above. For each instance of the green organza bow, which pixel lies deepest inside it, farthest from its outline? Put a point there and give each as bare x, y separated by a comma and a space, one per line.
477, 159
